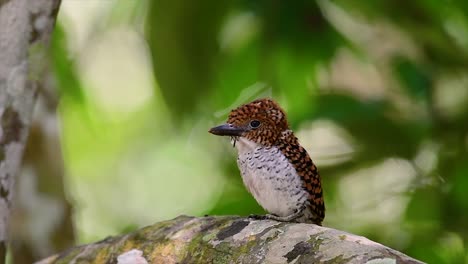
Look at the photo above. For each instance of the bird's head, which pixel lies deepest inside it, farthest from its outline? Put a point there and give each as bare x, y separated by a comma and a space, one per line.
261, 121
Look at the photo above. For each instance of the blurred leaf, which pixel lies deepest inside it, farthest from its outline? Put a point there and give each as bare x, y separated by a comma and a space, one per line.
68, 83
295, 41
460, 182
128, 12
368, 122
295, 78
413, 78
456, 200
451, 249
300, 26
238, 70
423, 21
424, 222
183, 42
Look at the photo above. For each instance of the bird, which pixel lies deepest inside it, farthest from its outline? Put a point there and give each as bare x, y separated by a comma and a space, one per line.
275, 168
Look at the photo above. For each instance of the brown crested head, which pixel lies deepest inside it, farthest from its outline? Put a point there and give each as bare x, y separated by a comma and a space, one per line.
261, 121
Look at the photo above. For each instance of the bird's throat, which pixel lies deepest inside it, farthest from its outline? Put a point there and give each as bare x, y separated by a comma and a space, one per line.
244, 145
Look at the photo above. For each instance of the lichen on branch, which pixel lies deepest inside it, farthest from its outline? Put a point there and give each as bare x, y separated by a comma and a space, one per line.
229, 239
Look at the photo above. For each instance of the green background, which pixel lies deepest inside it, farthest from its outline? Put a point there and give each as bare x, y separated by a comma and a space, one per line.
375, 90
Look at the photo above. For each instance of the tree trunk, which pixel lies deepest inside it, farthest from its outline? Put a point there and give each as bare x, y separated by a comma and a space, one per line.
228, 239
25, 28
41, 217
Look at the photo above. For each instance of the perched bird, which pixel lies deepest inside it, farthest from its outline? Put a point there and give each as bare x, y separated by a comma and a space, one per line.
276, 170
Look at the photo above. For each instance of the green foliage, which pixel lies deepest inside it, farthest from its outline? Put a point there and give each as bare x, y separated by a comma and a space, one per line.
413, 78
183, 38
64, 68
391, 102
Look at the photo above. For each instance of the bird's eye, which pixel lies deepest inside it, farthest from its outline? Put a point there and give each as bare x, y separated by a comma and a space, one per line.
254, 123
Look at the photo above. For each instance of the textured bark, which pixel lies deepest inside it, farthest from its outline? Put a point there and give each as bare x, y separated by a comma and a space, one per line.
41, 217
232, 240
25, 28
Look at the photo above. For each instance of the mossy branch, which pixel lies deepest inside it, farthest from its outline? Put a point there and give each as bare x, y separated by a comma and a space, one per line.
229, 239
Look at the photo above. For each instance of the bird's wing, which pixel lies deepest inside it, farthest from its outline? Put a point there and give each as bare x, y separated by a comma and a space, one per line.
309, 174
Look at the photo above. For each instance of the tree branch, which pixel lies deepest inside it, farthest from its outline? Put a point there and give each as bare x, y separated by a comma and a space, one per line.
228, 239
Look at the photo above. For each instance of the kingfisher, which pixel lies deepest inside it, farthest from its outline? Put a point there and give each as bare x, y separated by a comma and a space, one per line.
274, 167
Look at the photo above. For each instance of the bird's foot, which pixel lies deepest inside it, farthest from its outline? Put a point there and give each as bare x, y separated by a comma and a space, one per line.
288, 218
257, 217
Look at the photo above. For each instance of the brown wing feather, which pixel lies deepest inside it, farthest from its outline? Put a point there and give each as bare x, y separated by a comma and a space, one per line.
308, 172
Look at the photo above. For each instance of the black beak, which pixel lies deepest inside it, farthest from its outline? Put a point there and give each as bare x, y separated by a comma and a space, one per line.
227, 130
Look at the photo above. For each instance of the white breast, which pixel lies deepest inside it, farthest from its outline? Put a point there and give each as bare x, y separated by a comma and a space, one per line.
270, 178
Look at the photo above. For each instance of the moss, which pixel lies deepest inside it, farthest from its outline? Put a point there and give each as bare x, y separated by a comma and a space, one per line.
208, 237
102, 255
193, 250
223, 252
316, 241
128, 245
338, 260
199, 250
200, 243
246, 247
68, 255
